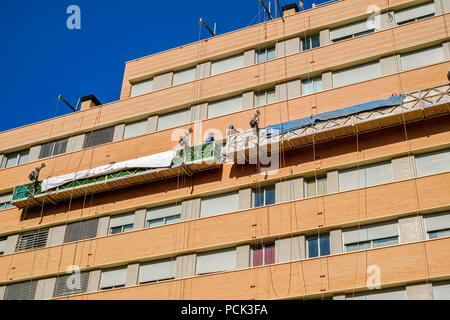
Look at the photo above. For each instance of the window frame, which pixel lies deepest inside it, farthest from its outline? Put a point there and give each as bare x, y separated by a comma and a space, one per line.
18, 155
257, 191
309, 41
316, 179
318, 238
262, 246
266, 93
52, 151
164, 221
370, 242
266, 53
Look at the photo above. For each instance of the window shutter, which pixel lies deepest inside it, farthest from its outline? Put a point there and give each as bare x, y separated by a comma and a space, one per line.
141, 87
157, 270
356, 74
184, 76
227, 64
438, 221
226, 106
21, 291
173, 119
98, 137
165, 211
46, 150
113, 277
121, 220
441, 290
432, 163
2, 245
32, 240
348, 30
6, 197
62, 288
24, 157
135, 129
421, 58
352, 235
257, 256
81, 230
269, 254
222, 203
60, 147
216, 261
414, 12
383, 294
378, 173
382, 230
348, 179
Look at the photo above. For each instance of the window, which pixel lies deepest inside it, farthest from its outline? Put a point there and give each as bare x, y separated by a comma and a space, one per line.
356, 74
263, 196
379, 294
437, 225
184, 76
312, 85
415, 13
15, 159
310, 42
227, 64
315, 186
371, 236
122, 223
433, 162
318, 246
113, 278
265, 97
98, 137
25, 290
135, 129
32, 240
5, 201
163, 215
225, 106
69, 284
441, 290
222, 203
157, 271
423, 57
141, 87
369, 175
2, 245
265, 54
173, 119
262, 255
81, 230
350, 31
216, 261
53, 148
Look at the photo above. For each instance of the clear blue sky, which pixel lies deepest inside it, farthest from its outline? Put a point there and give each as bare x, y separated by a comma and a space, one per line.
41, 58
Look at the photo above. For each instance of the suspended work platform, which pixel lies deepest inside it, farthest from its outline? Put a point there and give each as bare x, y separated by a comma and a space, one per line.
198, 158
332, 125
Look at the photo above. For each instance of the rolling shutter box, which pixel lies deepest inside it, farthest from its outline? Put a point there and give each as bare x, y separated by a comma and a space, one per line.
62, 288
222, 203
221, 260
225, 106
21, 291
157, 270
438, 221
371, 232
81, 230
113, 277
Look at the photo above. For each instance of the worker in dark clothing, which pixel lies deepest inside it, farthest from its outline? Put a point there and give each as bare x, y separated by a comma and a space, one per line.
210, 138
254, 122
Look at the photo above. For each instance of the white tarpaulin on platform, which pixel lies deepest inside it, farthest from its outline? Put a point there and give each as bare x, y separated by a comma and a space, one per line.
159, 160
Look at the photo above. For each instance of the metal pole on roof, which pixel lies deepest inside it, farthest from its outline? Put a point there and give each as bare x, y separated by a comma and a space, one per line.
265, 8
213, 33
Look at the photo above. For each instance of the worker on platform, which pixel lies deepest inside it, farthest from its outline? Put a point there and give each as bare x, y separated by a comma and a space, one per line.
210, 138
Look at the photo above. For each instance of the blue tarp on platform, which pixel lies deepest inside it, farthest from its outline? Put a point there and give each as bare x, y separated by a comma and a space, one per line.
284, 127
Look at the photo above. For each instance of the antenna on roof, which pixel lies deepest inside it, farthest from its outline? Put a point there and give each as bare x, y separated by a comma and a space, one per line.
68, 104
213, 33
265, 8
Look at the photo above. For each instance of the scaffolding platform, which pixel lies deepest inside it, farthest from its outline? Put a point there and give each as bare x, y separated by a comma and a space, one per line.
199, 158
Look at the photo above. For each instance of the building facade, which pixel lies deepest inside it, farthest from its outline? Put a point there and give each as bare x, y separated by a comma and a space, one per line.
351, 201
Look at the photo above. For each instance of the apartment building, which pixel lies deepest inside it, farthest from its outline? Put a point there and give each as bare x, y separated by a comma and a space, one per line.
353, 204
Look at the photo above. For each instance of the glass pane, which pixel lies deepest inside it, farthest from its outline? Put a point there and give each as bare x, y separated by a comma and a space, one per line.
260, 99
261, 56
325, 245
155, 222
310, 187
307, 87
439, 234
46, 150
116, 230
271, 97
322, 185
60, 147
269, 254
23, 157
11, 160
127, 227
173, 219
313, 247
317, 84
306, 43
315, 41
271, 53
259, 197
357, 246
385, 242
270, 195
